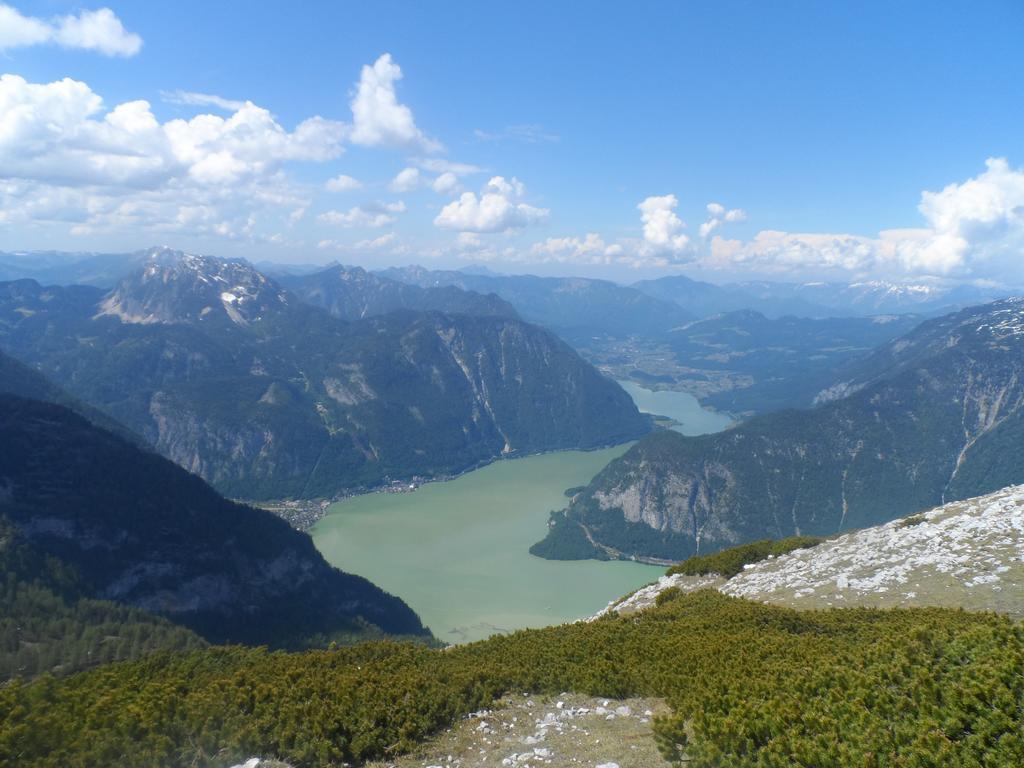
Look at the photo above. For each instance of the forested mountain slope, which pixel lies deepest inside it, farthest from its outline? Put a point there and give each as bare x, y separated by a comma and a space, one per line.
944, 421
231, 376
16, 378
107, 520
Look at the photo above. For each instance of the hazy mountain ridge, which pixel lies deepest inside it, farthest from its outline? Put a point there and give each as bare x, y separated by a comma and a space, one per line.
352, 293
819, 299
100, 270
705, 299
574, 307
774, 363
235, 379
944, 426
136, 529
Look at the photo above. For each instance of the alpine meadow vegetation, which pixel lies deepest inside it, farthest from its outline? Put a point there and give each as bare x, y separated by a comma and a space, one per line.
749, 685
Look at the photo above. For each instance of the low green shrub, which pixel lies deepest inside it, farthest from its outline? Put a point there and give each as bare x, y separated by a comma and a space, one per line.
750, 686
729, 562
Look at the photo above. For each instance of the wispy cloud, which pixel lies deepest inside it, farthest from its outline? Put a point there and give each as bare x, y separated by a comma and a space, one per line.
193, 99
530, 133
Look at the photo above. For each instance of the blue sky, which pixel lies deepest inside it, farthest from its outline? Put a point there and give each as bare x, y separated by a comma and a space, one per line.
842, 141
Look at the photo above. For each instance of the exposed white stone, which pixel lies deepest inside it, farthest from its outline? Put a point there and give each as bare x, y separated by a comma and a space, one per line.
971, 545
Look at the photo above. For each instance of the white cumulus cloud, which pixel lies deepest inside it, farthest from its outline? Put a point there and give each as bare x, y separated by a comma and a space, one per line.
58, 132
406, 180
497, 209
446, 183
591, 249
64, 157
342, 183
973, 230
663, 229
367, 215
100, 30
378, 117
718, 214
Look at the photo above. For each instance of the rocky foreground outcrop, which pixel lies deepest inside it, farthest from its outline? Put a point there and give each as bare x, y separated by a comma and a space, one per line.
967, 554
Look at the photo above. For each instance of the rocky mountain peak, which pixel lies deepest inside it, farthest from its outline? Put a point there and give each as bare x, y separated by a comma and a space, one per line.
177, 287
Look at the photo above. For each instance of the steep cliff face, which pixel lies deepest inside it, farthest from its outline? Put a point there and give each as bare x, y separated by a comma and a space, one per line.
233, 378
943, 422
138, 530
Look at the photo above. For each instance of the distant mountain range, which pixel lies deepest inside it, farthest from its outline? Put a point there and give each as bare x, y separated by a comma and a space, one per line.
352, 293
231, 376
817, 300
101, 270
933, 416
574, 307
764, 364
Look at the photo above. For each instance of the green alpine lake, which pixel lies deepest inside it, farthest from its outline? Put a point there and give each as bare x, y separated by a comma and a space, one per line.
690, 416
457, 550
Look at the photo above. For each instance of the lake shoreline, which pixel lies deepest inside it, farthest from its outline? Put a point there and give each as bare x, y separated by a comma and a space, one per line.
303, 514
690, 416
458, 552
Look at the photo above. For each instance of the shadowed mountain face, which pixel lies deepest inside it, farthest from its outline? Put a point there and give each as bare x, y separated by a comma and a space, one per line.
136, 529
16, 378
234, 378
933, 416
